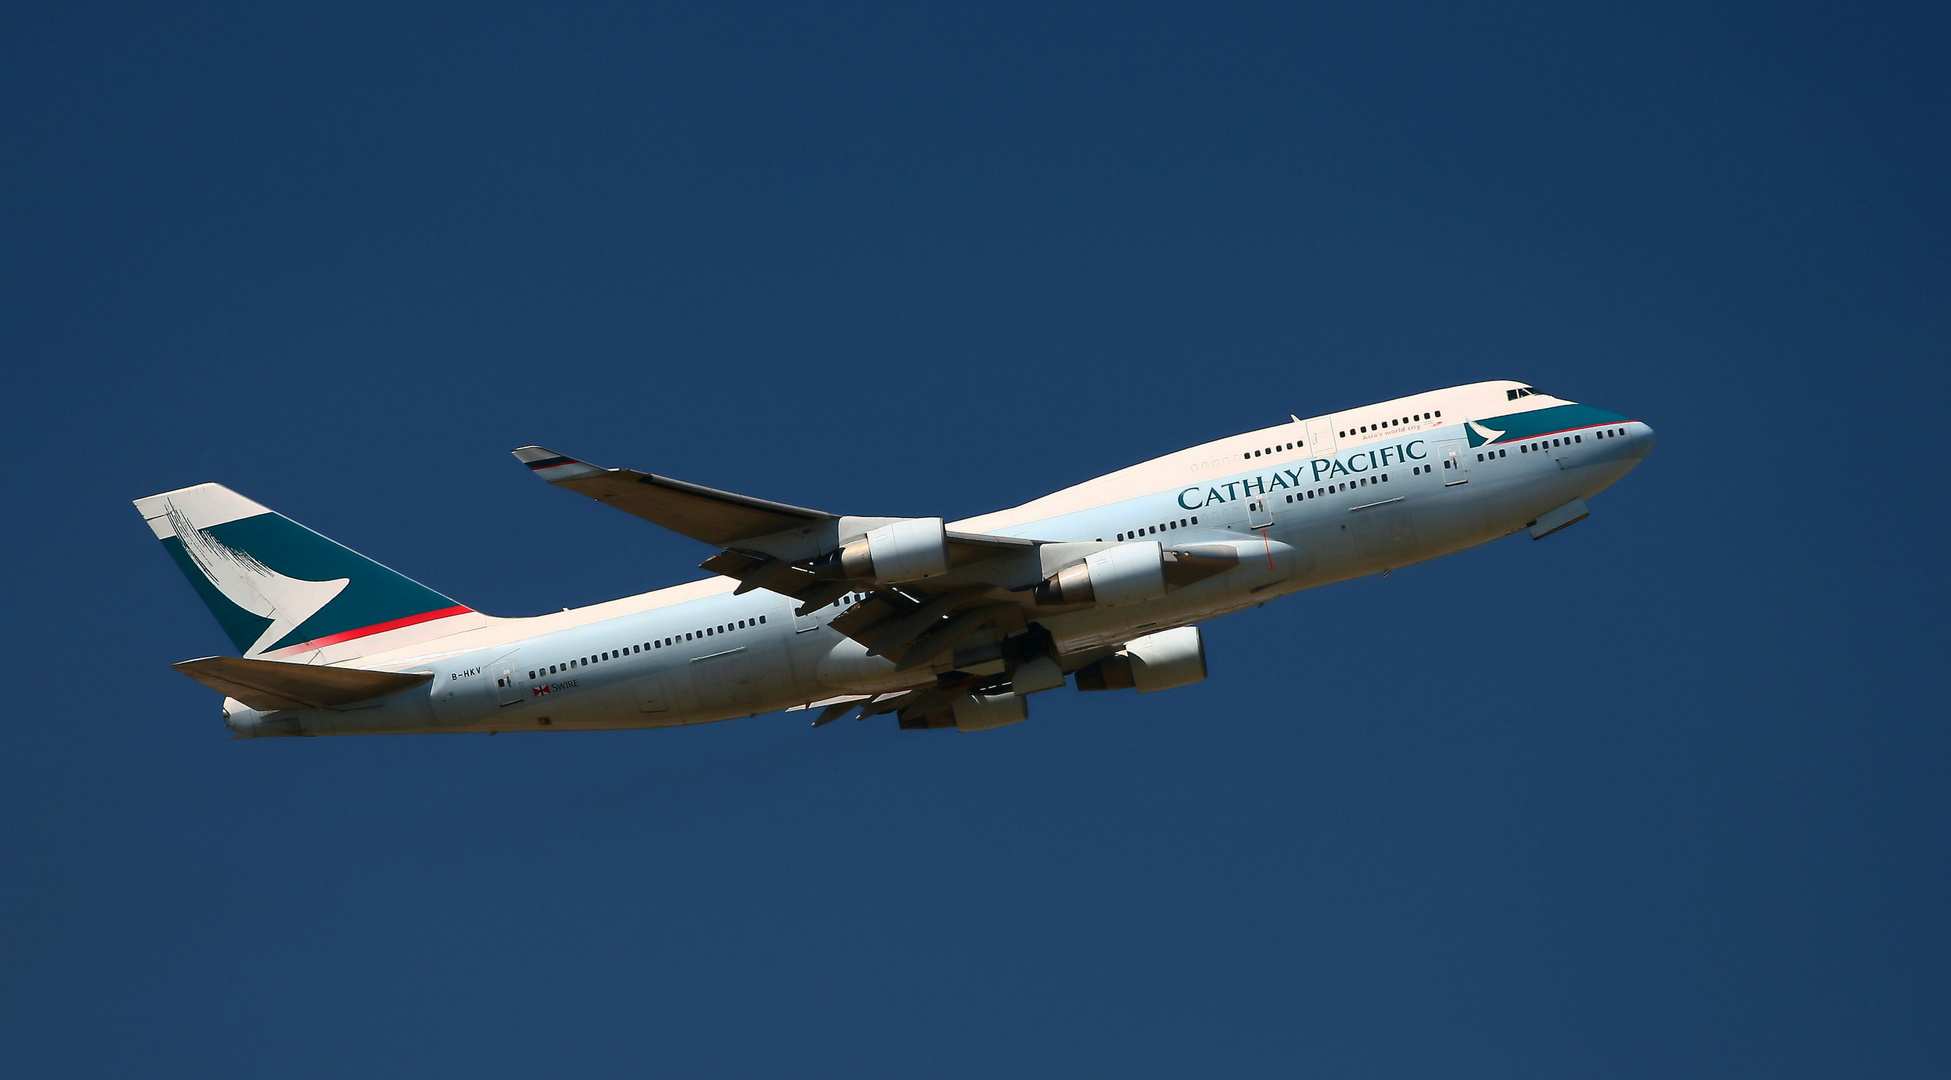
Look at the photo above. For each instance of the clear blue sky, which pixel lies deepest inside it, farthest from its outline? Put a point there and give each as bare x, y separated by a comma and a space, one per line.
1662, 795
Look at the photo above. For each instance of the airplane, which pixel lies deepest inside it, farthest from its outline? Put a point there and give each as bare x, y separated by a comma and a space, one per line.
1101, 585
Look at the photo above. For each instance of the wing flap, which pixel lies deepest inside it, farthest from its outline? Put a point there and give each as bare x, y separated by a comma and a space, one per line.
274, 684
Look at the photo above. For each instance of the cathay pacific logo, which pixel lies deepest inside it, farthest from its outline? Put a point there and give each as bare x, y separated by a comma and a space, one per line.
1480, 434
1309, 473
251, 585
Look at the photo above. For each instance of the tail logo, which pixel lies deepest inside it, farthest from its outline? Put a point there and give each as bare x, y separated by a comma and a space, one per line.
251, 585
1480, 434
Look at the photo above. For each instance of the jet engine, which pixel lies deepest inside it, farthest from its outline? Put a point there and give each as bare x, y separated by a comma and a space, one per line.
1126, 574
905, 550
1158, 661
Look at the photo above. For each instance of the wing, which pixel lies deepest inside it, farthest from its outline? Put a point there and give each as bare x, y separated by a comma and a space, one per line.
701, 513
918, 588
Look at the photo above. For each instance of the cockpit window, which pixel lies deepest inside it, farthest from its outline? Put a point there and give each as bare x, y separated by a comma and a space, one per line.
1522, 391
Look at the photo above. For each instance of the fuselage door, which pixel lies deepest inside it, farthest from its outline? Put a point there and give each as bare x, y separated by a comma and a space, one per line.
1260, 512
508, 689
1455, 463
1321, 437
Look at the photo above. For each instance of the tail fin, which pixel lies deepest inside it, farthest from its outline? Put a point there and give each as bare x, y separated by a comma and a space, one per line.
278, 588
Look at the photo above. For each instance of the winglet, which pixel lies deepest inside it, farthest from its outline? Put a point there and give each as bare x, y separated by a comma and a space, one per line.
555, 467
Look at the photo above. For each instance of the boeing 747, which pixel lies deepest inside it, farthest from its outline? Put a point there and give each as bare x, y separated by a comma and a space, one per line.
942, 624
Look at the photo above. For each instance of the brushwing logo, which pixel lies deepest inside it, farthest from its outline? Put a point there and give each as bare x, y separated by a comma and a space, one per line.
253, 586
1481, 434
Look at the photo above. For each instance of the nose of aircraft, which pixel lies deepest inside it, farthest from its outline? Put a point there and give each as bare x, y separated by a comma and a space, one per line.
1643, 440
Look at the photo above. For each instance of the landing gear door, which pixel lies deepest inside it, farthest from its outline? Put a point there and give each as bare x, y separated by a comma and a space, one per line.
1454, 460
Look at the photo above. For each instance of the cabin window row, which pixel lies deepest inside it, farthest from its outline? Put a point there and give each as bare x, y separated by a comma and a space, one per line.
618, 654
1563, 440
1323, 492
1546, 444
1410, 419
1166, 526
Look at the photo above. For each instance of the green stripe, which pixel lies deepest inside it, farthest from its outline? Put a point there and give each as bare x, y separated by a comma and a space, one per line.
1528, 425
374, 595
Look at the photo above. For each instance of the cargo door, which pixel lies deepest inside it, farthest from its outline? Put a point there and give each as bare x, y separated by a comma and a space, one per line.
724, 680
1384, 531
650, 695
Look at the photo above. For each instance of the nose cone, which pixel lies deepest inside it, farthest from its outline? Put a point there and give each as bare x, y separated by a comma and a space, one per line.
1643, 440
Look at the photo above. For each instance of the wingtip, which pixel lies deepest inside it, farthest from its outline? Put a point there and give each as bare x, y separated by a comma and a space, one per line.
551, 466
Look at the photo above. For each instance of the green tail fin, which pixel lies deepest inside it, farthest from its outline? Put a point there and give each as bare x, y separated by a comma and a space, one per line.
278, 588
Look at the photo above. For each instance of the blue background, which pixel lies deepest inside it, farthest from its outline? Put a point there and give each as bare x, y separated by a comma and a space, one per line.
1661, 795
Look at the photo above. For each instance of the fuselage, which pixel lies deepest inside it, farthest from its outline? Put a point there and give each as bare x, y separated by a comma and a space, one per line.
1307, 503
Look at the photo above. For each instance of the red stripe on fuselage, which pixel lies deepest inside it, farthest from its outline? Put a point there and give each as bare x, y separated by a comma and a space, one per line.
377, 628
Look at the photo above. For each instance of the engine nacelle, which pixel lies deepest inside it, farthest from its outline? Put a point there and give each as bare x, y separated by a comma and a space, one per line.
905, 550
1126, 574
1158, 661
980, 712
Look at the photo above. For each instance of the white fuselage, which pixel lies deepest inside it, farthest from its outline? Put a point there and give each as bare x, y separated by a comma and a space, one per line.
1306, 503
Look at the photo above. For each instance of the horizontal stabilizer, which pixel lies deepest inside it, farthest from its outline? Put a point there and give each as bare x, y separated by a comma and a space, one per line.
273, 684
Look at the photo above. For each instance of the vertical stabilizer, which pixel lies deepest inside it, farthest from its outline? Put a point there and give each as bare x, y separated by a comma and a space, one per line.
279, 589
